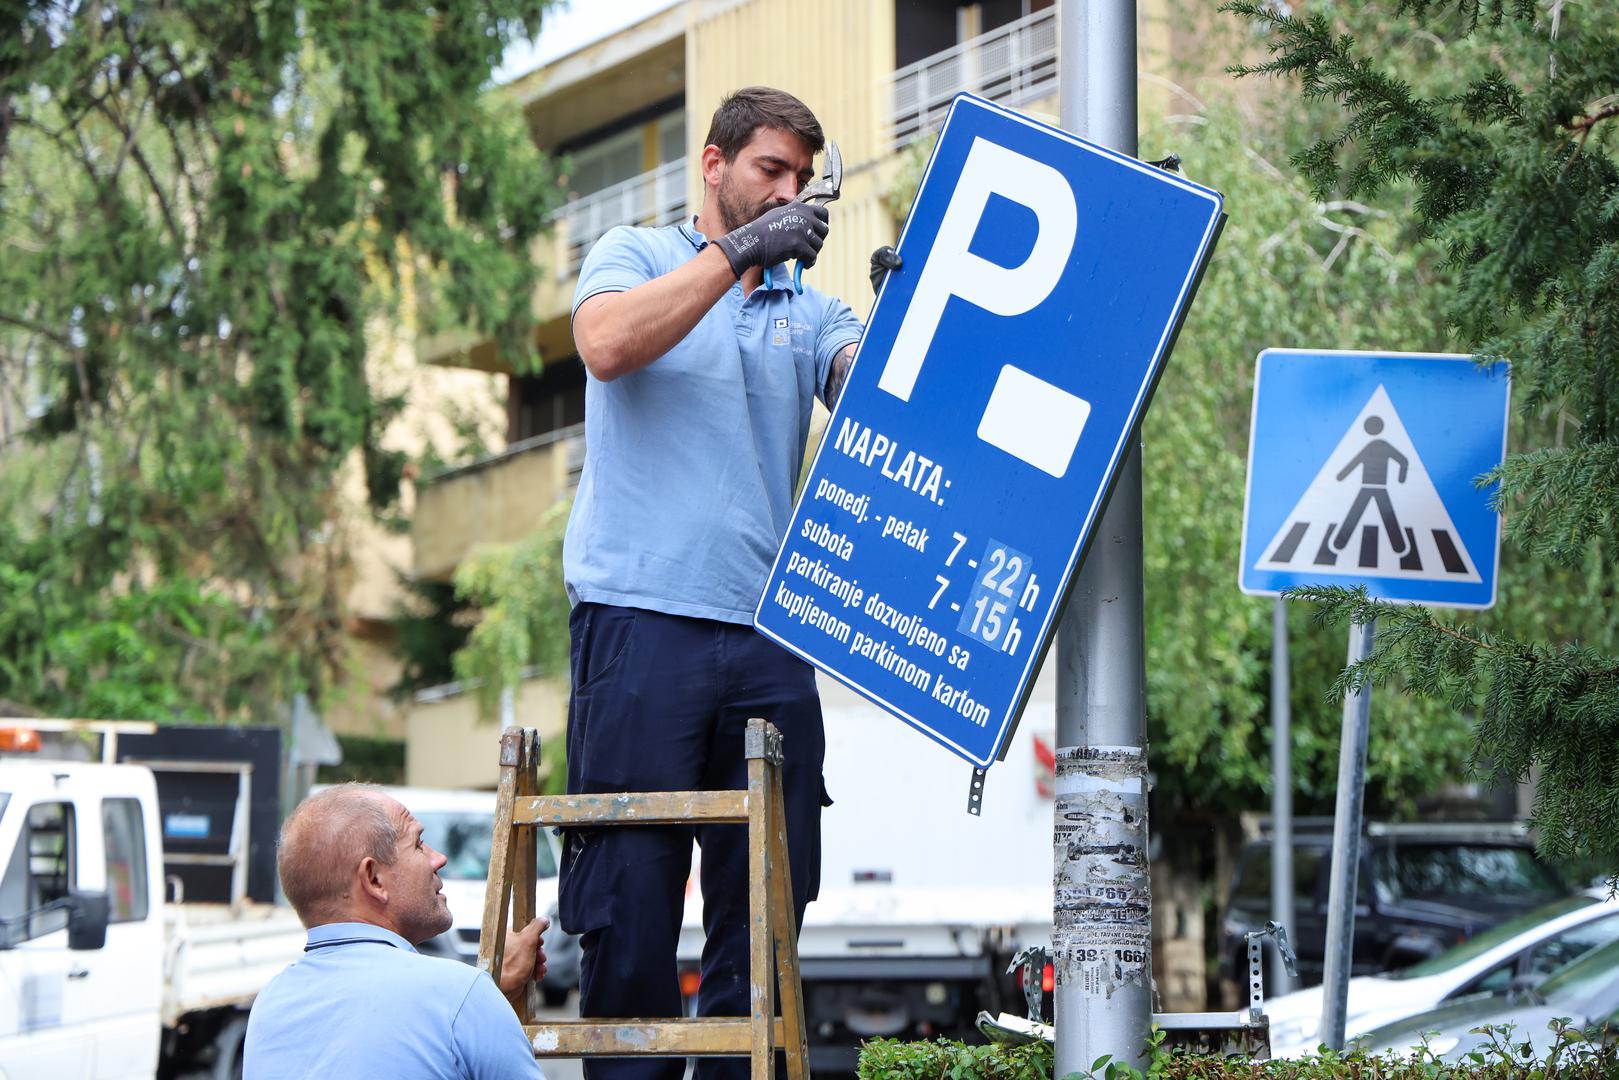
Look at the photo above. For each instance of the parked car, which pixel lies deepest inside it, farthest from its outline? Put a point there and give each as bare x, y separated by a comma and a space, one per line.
1518, 953
1422, 888
1584, 992
461, 824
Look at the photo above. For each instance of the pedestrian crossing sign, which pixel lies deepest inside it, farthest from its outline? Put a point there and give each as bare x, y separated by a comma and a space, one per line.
1364, 469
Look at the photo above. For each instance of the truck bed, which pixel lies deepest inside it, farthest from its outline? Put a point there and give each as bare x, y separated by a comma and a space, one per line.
218, 956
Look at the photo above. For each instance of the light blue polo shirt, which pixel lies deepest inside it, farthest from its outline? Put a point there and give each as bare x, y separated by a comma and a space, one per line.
691, 461
362, 1002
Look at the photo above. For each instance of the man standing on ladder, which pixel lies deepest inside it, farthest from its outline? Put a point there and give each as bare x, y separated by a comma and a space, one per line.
697, 408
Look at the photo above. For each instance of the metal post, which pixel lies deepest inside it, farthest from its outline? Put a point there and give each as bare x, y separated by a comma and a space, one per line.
1346, 828
1281, 797
1102, 922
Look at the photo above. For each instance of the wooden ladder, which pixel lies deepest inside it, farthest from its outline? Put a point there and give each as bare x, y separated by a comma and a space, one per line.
520, 812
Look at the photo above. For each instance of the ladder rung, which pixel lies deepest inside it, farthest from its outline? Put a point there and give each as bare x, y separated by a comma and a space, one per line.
641, 808
707, 1036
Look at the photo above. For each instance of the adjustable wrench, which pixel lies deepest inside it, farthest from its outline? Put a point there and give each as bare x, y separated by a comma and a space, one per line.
824, 188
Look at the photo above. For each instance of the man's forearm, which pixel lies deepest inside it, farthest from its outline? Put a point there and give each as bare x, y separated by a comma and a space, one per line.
839, 375
618, 333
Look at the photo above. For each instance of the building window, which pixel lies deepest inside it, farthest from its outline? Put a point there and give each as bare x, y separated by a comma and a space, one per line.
925, 27
609, 162
1004, 50
547, 402
672, 137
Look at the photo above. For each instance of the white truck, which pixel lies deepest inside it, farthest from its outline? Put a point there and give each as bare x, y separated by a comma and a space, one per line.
101, 976
921, 905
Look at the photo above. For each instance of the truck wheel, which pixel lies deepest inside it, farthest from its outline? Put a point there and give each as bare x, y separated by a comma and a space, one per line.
228, 1045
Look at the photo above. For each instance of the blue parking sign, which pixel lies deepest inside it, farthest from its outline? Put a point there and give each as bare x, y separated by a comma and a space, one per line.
1363, 469
1003, 370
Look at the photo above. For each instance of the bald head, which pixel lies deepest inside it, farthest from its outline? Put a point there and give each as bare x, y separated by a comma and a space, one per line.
324, 841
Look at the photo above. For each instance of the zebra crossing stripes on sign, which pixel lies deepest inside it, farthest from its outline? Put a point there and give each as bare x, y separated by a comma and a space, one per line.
1363, 470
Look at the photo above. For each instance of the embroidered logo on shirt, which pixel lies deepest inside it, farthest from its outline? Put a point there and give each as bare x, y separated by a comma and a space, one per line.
781, 324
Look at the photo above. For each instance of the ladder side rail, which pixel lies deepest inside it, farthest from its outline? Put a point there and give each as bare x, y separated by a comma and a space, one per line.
794, 1038
762, 978
525, 871
502, 856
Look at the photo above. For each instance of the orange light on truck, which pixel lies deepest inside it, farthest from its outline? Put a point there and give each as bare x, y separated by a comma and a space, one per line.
19, 740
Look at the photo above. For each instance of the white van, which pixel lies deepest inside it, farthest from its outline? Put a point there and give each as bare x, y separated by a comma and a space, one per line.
461, 824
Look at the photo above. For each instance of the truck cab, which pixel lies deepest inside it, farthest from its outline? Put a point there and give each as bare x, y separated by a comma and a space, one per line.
81, 921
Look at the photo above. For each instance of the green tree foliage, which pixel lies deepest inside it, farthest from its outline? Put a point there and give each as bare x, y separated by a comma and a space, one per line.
367, 758
210, 211
1507, 133
1290, 270
522, 611
429, 625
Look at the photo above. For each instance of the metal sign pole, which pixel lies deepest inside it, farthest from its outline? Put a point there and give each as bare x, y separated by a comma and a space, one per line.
1346, 829
1102, 920
1281, 797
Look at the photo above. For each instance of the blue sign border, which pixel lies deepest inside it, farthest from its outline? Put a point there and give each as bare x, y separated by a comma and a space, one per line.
1390, 590
1008, 720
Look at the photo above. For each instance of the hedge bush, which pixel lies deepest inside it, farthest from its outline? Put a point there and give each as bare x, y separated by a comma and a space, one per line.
1574, 1056
370, 758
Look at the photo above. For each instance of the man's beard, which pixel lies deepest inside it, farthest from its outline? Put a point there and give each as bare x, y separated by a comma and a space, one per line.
735, 211
432, 921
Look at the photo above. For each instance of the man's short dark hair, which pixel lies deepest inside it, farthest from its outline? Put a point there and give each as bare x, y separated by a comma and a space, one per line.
753, 107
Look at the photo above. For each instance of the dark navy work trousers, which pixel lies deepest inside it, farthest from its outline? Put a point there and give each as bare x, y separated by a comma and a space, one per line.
660, 703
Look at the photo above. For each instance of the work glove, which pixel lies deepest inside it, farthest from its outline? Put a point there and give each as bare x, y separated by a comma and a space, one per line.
883, 260
794, 231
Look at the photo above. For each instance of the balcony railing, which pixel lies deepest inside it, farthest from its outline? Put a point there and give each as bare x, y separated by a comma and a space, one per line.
1013, 64
653, 198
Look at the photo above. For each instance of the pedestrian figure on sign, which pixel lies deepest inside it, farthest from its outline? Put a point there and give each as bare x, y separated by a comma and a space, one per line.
1374, 461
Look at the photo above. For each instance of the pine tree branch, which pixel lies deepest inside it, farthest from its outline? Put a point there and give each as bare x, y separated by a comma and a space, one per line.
35, 328
1561, 498
181, 166
157, 79
7, 112
1338, 604
110, 106
1385, 118
152, 182
190, 87
1584, 123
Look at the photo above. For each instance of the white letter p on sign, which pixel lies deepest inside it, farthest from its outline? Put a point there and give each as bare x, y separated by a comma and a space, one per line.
953, 270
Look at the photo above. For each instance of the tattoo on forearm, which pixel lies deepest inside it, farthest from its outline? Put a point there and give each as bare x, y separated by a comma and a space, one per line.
840, 374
